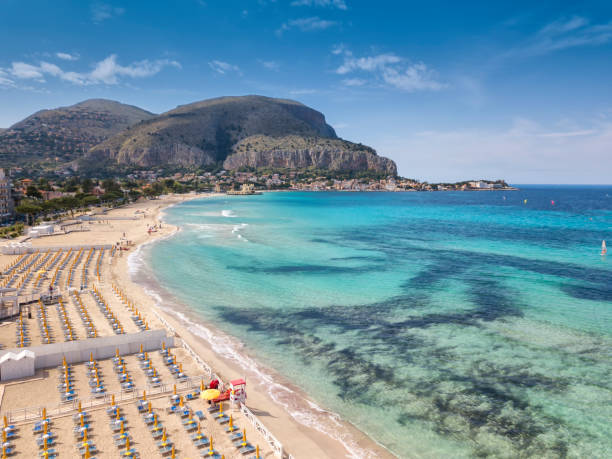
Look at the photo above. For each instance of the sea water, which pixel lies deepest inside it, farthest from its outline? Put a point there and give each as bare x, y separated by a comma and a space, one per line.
447, 324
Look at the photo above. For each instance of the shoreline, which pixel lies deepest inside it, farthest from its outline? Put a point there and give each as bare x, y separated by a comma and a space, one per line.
301, 425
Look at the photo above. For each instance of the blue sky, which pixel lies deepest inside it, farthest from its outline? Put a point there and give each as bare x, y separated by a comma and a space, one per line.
449, 90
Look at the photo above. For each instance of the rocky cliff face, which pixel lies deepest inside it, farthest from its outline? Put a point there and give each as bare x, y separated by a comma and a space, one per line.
294, 152
204, 132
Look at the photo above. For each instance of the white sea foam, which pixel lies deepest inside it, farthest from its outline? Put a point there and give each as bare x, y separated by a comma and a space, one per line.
306, 413
228, 213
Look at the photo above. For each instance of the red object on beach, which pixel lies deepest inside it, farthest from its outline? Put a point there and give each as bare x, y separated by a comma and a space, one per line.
214, 384
223, 397
238, 382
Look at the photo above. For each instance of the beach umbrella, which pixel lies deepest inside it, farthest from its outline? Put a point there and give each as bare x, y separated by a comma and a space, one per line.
45, 429
82, 421
144, 395
4, 436
164, 436
84, 437
113, 399
155, 420
231, 424
127, 443
199, 431
174, 390
202, 387
87, 453
257, 452
150, 407
181, 401
141, 348
122, 431
172, 454
5, 422
80, 407
210, 394
220, 409
117, 410
244, 441
211, 450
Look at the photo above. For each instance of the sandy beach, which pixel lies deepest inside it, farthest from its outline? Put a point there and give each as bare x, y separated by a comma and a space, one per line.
304, 429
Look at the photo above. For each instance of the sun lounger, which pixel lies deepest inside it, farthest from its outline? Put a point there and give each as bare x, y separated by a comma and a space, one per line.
247, 449
200, 442
213, 408
120, 442
222, 418
51, 453
130, 453
41, 443
236, 437
92, 449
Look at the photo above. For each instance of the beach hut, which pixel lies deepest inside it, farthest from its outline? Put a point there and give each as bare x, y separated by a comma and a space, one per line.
17, 365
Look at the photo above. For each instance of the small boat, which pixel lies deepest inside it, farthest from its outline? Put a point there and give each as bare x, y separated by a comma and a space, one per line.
604, 249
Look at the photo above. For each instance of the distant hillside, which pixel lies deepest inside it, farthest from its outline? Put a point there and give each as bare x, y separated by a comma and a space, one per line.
54, 137
231, 129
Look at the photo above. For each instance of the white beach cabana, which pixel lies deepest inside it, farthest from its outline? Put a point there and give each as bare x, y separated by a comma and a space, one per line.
17, 365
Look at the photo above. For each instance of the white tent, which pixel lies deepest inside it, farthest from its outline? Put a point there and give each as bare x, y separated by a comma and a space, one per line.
17, 365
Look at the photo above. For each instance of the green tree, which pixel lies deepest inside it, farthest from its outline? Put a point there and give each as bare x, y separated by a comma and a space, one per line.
87, 185
29, 209
110, 185
33, 192
90, 200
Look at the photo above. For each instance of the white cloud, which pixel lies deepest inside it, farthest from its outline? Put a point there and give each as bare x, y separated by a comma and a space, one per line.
416, 77
103, 11
67, 56
368, 64
339, 4
270, 65
306, 24
563, 34
107, 71
354, 82
340, 49
389, 70
25, 71
5, 81
224, 67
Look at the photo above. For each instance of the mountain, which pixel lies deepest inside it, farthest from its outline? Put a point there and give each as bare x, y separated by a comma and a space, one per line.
297, 152
245, 131
58, 136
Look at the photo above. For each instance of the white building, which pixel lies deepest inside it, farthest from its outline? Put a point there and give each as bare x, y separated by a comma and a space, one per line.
6, 200
480, 184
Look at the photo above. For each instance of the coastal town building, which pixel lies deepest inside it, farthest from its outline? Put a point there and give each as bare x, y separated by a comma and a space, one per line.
6, 199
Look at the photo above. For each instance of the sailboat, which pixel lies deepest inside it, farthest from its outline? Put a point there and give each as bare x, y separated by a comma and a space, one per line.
604, 249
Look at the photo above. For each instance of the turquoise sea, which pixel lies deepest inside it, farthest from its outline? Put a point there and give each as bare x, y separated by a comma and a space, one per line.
446, 324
